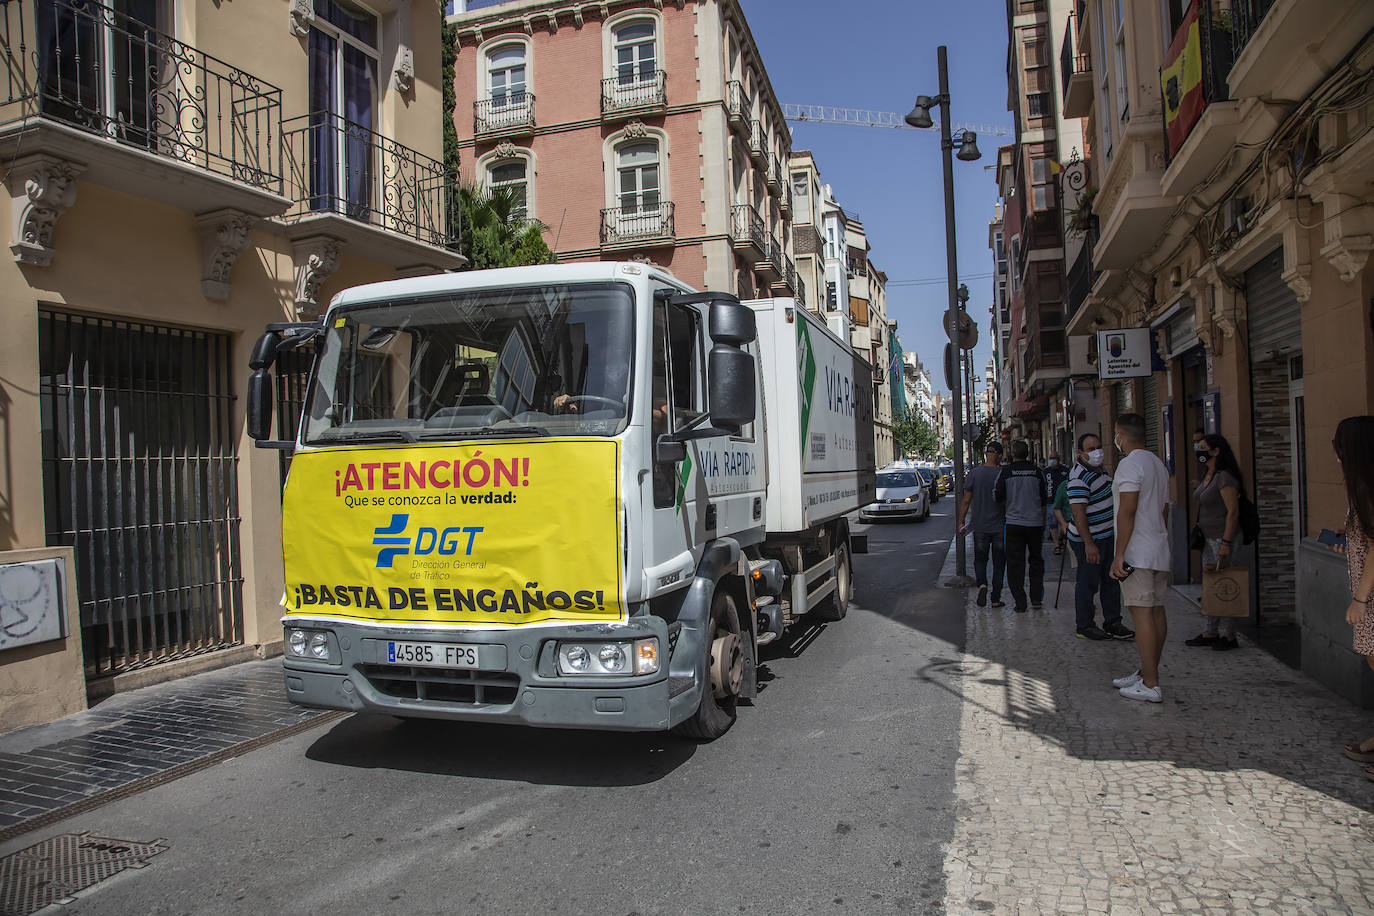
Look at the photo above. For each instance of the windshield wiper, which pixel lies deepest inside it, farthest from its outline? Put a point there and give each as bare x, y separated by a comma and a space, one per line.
404, 435
461, 432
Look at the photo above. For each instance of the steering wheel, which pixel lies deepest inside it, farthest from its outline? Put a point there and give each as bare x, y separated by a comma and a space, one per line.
579, 400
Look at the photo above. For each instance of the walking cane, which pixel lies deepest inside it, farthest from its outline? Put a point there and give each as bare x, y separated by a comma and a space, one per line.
1060, 587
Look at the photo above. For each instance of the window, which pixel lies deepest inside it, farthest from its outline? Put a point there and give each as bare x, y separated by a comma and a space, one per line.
635, 53
1123, 99
1038, 105
637, 179
506, 77
343, 105
800, 186
676, 391
512, 175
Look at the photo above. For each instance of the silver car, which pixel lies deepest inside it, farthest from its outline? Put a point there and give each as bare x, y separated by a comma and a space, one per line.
901, 494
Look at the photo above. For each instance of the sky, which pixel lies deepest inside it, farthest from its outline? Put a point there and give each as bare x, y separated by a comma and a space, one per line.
880, 55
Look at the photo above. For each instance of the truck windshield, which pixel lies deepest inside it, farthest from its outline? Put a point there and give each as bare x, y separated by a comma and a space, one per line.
535, 361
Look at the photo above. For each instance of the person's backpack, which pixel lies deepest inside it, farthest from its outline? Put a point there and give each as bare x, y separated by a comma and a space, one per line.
1249, 520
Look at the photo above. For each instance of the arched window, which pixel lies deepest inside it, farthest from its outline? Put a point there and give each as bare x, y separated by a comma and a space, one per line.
636, 56
512, 174
637, 177
506, 77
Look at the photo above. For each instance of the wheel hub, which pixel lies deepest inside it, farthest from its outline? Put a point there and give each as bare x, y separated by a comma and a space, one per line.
727, 665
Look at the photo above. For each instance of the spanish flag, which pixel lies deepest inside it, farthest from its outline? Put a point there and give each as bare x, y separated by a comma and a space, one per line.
1180, 80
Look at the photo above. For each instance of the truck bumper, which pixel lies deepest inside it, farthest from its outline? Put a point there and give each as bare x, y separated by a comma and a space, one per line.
517, 681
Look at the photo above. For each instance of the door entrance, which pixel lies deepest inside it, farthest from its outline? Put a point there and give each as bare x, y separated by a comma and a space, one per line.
139, 477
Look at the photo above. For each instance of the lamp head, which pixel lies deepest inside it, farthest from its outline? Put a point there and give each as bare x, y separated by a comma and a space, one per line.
920, 114
968, 147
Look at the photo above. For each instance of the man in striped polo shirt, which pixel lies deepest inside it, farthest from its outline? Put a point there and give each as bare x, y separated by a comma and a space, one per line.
1090, 500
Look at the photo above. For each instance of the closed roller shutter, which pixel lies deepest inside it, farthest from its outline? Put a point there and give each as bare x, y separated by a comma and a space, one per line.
1275, 318
1151, 411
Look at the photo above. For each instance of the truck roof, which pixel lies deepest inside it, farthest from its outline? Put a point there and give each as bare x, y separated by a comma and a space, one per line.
576, 272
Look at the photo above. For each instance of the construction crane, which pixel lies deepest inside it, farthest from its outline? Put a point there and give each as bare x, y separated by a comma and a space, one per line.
860, 117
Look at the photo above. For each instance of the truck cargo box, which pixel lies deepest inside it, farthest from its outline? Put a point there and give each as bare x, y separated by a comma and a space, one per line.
817, 418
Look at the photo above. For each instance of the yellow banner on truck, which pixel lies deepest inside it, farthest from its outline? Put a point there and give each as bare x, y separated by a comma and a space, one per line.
496, 533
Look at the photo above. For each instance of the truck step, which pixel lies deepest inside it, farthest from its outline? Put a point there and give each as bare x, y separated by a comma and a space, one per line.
770, 624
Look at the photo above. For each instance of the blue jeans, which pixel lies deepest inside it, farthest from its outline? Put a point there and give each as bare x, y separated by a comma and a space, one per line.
1095, 579
982, 545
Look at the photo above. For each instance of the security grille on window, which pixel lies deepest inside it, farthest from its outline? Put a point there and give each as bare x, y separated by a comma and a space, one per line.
1038, 105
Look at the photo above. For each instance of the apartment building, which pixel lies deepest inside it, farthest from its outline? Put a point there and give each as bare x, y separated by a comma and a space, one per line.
1004, 377
808, 242
635, 129
1229, 166
919, 393
870, 330
181, 175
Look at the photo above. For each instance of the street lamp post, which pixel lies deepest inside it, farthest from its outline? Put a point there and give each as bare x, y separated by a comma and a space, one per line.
968, 152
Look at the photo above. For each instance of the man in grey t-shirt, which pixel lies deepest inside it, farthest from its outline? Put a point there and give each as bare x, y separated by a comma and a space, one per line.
988, 523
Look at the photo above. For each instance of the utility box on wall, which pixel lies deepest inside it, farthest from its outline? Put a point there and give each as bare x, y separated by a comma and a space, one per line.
42, 674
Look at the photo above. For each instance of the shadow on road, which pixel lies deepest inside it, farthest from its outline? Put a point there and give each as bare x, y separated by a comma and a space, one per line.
556, 757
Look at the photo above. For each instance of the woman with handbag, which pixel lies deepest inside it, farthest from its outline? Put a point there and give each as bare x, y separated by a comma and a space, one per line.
1354, 445
1218, 524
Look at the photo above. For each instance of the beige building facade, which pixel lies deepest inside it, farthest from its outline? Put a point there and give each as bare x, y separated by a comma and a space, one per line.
180, 175
1228, 210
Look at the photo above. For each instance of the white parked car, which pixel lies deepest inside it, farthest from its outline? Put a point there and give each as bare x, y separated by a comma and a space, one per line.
901, 494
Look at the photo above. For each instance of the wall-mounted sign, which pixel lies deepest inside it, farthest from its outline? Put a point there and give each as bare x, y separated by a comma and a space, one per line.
1125, 353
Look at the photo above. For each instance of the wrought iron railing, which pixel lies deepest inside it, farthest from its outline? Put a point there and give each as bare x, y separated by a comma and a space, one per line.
774, 254
1071, 62
107, 73
620, 94
737, 105
630, 224
1217, 42
1246, 18
747, 225
758, 141
789, 273
336, 166
775, 179
510, 111
801, 290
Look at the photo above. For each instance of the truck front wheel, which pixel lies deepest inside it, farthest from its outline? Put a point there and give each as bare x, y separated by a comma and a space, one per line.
724, 672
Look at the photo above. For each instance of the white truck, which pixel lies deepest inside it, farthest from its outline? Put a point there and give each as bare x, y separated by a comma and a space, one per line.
576, 495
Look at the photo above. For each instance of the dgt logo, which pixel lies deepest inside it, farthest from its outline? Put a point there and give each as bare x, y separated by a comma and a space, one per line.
394, 542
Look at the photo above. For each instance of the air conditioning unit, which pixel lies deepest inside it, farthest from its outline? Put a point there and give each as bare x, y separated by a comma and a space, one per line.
1233, 215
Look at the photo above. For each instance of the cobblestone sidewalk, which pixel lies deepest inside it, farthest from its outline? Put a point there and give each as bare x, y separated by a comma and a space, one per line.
1230, 796
130, 739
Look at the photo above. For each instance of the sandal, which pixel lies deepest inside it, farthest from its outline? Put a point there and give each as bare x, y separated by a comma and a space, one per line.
1354, 753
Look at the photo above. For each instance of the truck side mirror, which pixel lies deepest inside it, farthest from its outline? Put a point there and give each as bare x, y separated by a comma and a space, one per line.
669, 451
732, 323
264, 352
731, 386
259, 406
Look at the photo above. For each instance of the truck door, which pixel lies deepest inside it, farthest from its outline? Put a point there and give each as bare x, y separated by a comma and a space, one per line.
677, 394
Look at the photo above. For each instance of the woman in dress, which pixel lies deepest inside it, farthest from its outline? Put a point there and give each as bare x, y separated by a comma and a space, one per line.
1218, 515
1354, 445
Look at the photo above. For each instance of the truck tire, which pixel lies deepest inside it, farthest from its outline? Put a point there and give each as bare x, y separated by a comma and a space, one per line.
714, 715
836, 605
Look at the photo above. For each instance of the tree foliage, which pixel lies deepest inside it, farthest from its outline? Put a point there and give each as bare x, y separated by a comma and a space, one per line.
495, 231
915, 437
451, 155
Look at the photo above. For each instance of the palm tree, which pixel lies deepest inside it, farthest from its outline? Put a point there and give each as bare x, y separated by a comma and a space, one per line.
496, 233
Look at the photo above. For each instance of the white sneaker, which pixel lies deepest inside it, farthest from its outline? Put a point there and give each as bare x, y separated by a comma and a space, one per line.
1128, 680
1138, 691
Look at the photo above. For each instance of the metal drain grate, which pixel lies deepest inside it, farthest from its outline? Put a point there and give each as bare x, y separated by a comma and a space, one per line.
57, 868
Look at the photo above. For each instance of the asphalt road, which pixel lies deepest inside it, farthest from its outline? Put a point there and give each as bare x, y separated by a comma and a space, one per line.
833, 792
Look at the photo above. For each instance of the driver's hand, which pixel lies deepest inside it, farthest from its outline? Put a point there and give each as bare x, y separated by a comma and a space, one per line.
564, 404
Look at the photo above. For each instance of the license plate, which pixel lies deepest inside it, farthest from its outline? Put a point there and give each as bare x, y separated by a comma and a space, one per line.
431, 654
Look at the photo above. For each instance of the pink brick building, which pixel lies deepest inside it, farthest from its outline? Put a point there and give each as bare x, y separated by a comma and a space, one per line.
636, 129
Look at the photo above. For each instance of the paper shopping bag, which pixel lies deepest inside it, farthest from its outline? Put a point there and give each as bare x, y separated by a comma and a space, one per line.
1226, 591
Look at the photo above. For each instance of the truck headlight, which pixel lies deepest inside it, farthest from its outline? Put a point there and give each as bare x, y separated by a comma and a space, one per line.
608, 659
313, 645
319, 646
295, 641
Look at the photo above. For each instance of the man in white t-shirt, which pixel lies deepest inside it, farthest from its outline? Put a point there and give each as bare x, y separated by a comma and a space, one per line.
1140, 501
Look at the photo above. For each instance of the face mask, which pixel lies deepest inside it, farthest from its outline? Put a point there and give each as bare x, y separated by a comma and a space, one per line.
1203, 457
1052, 462
1095, 457
1116, 444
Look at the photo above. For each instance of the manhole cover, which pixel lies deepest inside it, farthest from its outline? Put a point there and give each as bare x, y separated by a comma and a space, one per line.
57, 868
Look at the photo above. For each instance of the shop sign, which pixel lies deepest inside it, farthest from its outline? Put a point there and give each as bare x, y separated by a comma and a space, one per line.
1125, 353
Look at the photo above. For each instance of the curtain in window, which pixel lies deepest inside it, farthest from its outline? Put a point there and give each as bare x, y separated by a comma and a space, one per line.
324, 149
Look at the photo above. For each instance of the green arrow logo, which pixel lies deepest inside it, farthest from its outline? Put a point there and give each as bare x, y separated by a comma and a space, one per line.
684, 474
806, 377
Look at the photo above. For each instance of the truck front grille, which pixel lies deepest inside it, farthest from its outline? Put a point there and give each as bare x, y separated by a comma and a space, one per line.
469, 688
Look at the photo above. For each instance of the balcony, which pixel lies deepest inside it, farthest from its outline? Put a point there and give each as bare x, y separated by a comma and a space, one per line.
758, 146
770, 265
1075, 73
624, 97
1132, 209
638, 227
510, 114
787, 280
774, 176
747, 233
134, 109
358, 186
737, 107
1285, 48
785, 198
801, 292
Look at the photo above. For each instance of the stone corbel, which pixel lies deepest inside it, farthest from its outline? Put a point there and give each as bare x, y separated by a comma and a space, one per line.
578, 19
1297, 254
302, 17
316, 258
1348, 254
403, 77
1348, 230
528, 25
553, 23
223, 236
41, 190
